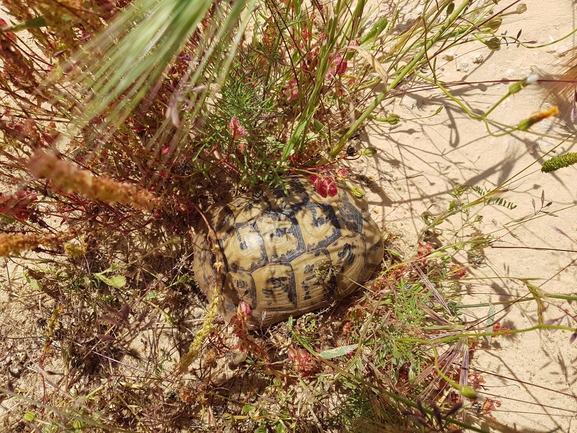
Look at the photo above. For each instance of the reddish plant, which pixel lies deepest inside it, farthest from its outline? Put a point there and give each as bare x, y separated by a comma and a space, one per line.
303, 362
324, 185
17, 205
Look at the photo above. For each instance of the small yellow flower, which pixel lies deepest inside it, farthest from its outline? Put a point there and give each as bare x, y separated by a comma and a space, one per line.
525, 124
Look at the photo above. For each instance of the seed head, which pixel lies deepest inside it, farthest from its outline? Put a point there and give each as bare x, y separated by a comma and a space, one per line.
67, 177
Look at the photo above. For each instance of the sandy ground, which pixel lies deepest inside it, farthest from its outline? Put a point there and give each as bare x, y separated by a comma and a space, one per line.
532, 375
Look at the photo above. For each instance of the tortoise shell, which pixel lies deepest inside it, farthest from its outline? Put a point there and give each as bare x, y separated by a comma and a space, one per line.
286, 253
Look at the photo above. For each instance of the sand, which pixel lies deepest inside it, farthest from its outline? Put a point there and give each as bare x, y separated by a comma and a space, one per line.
532, 375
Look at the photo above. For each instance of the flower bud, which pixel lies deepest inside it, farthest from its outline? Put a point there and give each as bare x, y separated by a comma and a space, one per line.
369, 151
243, 309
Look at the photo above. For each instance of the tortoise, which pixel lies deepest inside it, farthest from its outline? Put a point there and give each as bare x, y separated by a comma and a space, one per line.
286, 251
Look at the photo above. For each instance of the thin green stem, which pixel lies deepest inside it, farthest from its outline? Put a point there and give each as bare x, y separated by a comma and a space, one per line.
407, 70
380, 390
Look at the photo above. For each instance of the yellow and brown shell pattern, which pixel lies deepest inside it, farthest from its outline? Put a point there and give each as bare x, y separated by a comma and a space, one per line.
287, 252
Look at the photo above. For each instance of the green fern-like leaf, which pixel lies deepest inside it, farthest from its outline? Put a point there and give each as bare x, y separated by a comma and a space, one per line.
501, 202
558, 162
480, 191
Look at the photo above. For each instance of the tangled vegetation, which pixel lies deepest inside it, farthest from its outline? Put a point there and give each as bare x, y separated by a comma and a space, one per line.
124, 121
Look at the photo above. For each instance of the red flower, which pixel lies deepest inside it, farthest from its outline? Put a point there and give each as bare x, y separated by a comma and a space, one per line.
423, 250
342, 173
325, 186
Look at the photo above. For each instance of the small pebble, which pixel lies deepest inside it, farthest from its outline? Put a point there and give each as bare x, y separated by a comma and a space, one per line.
478, 59
197, 313
510, 73
462, 66
449, 56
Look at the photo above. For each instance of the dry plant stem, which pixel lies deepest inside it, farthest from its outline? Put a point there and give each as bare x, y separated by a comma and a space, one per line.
467, 391
515, 87
507, 332
408, 69
213, 308
524, 299
66, 176
65, 415
14, 244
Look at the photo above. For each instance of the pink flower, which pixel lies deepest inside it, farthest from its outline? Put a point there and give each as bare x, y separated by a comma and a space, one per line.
303, 362
243, 309
338, 66
236, 129
291, 91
